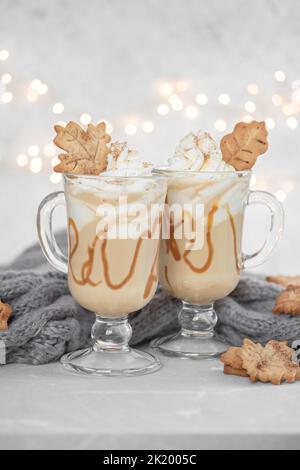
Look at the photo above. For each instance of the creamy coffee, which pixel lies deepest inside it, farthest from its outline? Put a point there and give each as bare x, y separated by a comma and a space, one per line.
212, 271
111, 276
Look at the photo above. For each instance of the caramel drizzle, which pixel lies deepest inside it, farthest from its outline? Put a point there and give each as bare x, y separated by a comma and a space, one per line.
87, 266
152, 279
131, 269
206, 265
235, 248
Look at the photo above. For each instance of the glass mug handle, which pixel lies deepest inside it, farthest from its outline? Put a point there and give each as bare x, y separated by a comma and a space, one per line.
48, 243
275, 231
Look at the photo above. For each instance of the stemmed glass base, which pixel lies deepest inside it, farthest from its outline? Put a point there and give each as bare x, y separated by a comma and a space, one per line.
110, 354
196, 339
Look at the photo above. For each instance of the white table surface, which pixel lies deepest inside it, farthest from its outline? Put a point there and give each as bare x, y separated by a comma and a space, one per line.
186, 405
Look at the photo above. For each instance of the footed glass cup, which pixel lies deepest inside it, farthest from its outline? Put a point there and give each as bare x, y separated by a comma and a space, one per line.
207, 266
114, 229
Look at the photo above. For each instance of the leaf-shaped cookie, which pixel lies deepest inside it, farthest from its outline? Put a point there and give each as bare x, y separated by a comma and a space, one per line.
86, 150
5, 313
272, 363
242, 147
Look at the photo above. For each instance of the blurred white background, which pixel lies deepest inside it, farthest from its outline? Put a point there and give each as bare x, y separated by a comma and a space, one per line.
120, 60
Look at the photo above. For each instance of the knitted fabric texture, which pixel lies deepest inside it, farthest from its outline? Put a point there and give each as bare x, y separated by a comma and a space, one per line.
47, 322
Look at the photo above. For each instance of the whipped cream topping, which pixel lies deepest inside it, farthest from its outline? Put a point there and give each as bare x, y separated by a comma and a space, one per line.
122, 161
198, 152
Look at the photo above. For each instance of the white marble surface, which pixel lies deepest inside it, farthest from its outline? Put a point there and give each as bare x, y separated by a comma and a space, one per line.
108, 59
186, 405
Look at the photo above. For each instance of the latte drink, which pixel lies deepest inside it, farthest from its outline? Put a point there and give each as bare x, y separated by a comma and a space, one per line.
113, 276
202, 274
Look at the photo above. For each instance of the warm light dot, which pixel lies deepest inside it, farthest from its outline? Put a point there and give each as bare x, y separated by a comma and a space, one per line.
280, 195
55, 178
35, 84
85, 118
4, 54
279, 76
163, 109
253, 89
32, 96
6, 78
148, 126
58, 108
288, 186
175, 102
288, 109
22, 160
277, 100
7, 97
224, 98
49, 150
292, 122
201, 99
253, 181
130, 129
36, 165
191, 112
247, 118
166, 88
270, 123
33, 150
220, 125
250, 107
43, 89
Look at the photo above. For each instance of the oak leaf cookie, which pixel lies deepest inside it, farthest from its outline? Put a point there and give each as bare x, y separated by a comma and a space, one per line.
284, 281
288, 301
242, 147
5, 313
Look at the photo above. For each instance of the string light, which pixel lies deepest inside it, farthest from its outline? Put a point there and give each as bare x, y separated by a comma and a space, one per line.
55, 178
4, 54
191, 112
36, 165
253, 89
32, 96
130, 129
43, 89
247, 118
35, 84
85, 118
22, 160
181, 85
58, 108
279, 76
6, 78
201, 99
175, 102
148, 126
7, 97
292, 123
49, 150
250, 107
163, 109
288, 109
166, 89
270, 123
280, 195
277, 100
220, 125
224, 98
33, 150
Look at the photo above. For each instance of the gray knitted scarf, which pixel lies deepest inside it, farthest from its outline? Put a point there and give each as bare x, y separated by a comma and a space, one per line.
47, 322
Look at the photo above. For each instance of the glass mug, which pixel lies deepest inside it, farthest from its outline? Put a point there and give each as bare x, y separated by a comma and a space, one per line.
110, 271
203, 273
